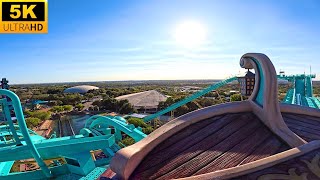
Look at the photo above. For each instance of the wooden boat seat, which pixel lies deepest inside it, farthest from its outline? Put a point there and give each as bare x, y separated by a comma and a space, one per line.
213, 144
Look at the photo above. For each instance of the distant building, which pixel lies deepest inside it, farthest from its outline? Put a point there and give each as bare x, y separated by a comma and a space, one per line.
147, 101
80, 89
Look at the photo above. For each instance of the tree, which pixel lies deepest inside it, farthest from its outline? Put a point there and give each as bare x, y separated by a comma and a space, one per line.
57, 109
67, 107
79, 106
147, 130
137, 122
96, 103
71, 99
127, 141
181, 110
235, 97
89, 95
126, 108
41, 115
32, 122
38, 114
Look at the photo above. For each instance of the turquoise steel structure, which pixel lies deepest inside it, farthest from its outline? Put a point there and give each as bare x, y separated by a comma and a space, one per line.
301, 92
18, 143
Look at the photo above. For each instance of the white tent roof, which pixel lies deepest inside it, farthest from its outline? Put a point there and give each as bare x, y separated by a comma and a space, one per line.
146, 99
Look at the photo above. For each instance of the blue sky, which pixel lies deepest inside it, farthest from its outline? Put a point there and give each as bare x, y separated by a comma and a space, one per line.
132, 40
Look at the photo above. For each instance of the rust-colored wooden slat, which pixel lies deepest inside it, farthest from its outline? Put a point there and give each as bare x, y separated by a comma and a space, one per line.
209, 155
302, 124
184, 156
306, 119
188, 131
269, 147
238, 153
154, 159
303, 128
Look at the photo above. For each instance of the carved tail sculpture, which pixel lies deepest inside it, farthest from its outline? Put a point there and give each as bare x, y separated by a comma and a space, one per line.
264, 99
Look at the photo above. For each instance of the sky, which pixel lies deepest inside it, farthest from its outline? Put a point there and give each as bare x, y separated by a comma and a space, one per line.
107, 40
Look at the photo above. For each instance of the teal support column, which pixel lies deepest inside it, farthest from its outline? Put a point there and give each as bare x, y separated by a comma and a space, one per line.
8, 117
24, 130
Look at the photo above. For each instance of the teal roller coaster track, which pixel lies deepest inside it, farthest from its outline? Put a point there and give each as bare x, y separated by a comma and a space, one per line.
301, 92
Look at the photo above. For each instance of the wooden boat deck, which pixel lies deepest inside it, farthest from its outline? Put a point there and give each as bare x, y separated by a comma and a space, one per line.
303, 167
307, 127
210, 145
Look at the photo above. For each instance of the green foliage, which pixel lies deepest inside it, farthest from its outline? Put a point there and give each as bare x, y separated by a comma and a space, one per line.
71, 99
61, 99
79, 106
55, 91
137, 122
127, 141
181, 110
235, 97
38, 114
41, 115
211, 94
126, 108
67, 107
32, 122
89, 95
122, 106
57, 109
147, 130
40, 96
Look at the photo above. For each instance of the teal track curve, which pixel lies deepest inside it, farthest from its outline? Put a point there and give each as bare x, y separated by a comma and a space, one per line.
190, 98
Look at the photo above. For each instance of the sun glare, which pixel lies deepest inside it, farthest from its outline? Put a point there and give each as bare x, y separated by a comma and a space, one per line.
190, 34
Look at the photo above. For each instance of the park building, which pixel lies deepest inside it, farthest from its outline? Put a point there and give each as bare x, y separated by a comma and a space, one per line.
82, 89
145, 102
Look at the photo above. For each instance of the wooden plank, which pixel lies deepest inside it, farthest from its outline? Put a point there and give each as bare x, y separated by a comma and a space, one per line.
176, 159
312, 118
301, 123
193, 165
196, 137
188, 131
305, 119
269, 147
238, 153
305, 134
303, 128
281, 171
